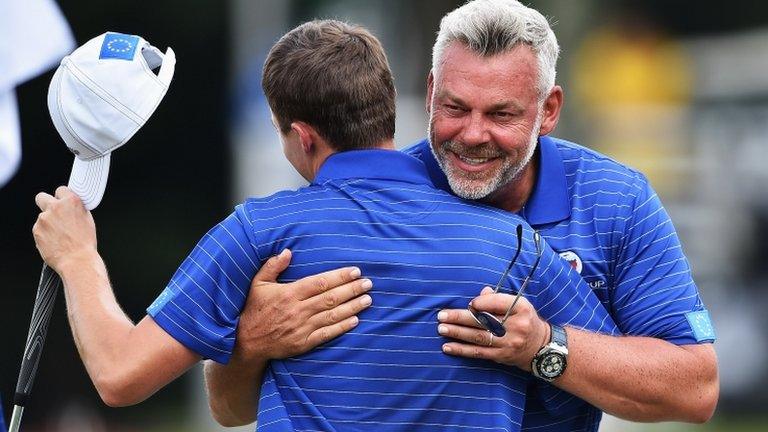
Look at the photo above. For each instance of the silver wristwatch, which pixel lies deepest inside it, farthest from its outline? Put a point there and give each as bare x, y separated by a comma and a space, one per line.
552, 359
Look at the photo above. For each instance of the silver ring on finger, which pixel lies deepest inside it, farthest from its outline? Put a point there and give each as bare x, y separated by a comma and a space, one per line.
490, 341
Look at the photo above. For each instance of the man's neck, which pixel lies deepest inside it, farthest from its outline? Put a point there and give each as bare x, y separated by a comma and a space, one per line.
386, 145
324, 151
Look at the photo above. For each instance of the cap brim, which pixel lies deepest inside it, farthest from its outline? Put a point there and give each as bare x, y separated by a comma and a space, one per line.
89, 179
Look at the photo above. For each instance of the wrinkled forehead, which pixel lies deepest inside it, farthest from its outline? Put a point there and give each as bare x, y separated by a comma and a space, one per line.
458, 53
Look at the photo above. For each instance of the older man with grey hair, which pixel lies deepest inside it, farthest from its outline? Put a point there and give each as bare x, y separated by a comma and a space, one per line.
492, 102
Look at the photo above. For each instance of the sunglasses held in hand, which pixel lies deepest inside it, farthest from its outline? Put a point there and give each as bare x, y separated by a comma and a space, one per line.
489, 321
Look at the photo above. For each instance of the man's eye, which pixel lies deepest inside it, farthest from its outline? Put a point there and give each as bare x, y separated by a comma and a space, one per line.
502, 115
453, 108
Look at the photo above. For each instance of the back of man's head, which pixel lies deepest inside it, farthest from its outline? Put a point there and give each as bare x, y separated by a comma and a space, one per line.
335, 77
491, 27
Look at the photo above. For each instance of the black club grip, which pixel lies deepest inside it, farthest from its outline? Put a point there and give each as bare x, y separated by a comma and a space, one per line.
47, 288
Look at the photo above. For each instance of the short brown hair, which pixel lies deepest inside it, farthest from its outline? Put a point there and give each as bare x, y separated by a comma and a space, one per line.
335, 77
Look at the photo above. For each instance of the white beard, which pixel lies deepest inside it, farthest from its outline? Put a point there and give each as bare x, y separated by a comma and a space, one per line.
477, 186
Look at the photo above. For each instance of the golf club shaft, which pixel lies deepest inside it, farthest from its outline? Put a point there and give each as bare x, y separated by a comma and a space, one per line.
47, 289
16, 418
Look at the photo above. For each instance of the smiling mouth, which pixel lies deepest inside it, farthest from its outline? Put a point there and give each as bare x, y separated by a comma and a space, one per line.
474, 160
471, 163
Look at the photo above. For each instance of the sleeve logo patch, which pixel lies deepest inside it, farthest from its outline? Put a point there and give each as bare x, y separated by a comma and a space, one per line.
701, 325
119, 46
166, 296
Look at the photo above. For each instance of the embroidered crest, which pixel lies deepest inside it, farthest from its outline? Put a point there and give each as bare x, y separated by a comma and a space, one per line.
573, 260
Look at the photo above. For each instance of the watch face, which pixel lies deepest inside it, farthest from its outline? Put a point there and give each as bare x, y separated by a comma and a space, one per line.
552, 365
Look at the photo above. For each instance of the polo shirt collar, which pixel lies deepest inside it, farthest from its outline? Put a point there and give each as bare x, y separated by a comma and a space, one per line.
549, 202
373, 164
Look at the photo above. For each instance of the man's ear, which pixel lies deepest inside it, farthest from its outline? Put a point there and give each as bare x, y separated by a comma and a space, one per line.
307, 135
430, 90
551, 110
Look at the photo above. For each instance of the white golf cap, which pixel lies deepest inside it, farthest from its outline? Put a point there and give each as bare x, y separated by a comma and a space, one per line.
100, 95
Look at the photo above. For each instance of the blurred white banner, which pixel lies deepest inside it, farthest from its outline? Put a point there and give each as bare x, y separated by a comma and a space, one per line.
34, 36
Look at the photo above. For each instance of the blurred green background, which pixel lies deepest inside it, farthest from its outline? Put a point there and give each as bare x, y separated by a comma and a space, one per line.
677, 89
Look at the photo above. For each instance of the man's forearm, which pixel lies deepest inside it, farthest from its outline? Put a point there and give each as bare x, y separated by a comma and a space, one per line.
98, 324
127, 363
642, 378
233, 391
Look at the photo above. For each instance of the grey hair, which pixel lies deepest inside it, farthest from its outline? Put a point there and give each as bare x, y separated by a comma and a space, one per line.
489, 27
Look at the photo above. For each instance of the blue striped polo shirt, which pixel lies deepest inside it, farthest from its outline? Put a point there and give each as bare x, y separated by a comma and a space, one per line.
608, 223
424, 249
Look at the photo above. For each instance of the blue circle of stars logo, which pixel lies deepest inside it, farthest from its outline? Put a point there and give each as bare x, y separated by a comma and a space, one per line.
119, 45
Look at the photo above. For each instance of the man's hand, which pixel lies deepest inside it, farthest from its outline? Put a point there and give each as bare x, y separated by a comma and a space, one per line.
64, 231
279, 321
629, 377
284, 320
526, 331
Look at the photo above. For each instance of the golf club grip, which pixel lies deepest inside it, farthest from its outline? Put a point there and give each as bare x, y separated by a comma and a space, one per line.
38, 328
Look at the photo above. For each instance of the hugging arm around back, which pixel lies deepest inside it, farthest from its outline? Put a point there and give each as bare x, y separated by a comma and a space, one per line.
666, 367
663, 367
279, 321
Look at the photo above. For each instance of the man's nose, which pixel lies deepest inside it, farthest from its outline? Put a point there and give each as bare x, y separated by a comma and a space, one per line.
475, 131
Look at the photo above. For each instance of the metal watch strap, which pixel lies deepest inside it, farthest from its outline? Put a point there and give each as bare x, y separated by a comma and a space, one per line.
558, 335
552, 359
